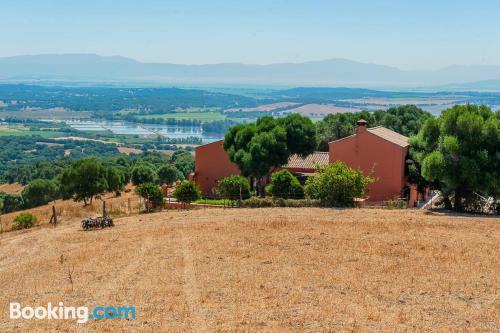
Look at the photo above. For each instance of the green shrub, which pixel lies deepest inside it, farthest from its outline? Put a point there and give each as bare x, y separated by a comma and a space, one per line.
152, 194
396, 204
220, 202
187, 192
337, 185
11, 202
255, 202
24, 221
301, 203
233, 187
285, 185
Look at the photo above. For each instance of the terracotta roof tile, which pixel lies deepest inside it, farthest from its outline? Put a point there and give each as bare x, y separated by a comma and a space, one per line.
390, 135
309, 162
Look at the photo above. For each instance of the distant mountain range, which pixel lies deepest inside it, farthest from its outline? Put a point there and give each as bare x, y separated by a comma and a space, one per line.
334, 72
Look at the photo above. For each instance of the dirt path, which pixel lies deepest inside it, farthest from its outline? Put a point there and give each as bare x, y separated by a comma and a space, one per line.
191, 288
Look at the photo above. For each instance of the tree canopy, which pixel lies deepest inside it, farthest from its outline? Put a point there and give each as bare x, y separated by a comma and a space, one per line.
168, 174
256, 148
151, 193
406, 120
144, 173
459, 153
84, 180
40, 192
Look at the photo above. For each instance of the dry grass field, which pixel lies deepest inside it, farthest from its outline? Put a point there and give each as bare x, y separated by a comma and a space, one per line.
263, 108
317, 110
68, 210
263, 270
15, 188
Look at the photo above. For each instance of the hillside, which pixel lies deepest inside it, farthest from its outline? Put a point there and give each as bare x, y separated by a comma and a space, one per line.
91, 67
263, 270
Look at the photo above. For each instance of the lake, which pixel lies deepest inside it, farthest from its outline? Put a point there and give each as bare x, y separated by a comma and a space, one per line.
119, 127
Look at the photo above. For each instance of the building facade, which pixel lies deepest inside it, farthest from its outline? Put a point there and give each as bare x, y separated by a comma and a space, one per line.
378, 152
212, 164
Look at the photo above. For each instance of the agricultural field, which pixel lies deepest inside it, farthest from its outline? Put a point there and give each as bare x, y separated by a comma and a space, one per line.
264, 108
53, 114
19, 130
279, 269
321, 110
387, 102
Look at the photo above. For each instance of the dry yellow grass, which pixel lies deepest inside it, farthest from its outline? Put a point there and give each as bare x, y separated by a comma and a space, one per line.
68, 210
15, 188
128, 150
289, 270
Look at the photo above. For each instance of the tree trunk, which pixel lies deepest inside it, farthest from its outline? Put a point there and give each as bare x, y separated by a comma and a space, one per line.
447, 203
458, 201
260, 188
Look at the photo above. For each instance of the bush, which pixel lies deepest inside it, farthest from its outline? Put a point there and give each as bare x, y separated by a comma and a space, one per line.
337, 185
24, 221
285, 185
397, 204
233, 187
255, 202
187, 192
218, 202
301, 203
11, 202
152, 194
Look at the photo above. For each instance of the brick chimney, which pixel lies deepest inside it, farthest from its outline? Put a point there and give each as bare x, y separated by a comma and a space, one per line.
361, 126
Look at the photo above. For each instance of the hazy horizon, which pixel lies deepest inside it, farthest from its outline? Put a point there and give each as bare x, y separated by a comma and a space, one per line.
240, 62
402, 34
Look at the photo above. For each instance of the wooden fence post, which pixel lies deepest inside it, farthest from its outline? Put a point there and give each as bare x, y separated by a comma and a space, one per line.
103, 208
53, 218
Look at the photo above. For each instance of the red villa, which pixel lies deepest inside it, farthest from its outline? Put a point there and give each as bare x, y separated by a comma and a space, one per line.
378, 152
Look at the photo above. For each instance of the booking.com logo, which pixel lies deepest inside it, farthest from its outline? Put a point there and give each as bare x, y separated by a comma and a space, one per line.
80, 313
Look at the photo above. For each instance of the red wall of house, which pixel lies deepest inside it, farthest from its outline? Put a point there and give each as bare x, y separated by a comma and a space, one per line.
366, 152
211, 165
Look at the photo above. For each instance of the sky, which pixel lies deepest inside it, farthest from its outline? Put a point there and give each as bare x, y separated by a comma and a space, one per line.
416, 34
